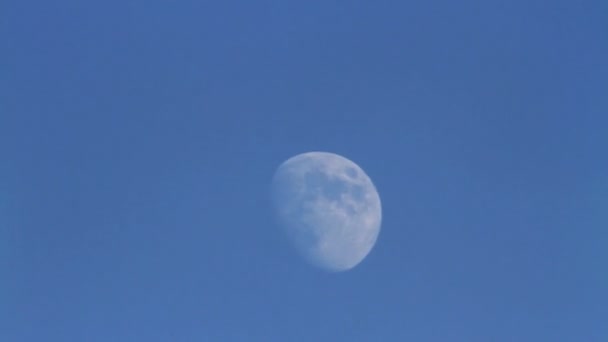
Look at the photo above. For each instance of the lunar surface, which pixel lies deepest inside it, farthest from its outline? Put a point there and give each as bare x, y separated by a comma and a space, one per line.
329, 208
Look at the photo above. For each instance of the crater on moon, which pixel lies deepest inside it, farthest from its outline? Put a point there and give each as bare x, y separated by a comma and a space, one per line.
328, 207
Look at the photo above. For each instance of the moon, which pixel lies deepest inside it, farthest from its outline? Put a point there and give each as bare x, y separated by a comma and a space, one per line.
329, 208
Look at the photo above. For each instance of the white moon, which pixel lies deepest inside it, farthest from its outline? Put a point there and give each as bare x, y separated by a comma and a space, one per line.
329, 208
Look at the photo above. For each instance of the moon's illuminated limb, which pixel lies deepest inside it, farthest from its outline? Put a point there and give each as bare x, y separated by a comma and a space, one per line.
329, 208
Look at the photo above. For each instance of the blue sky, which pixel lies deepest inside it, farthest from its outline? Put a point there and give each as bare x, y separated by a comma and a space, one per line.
138, 140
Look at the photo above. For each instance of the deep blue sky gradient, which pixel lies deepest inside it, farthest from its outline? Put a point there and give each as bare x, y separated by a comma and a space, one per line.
138, 140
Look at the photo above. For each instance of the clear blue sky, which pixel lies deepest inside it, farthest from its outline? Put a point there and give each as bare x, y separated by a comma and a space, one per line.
138, 140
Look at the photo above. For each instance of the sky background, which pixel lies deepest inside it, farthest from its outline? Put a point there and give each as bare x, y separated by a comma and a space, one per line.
138, 140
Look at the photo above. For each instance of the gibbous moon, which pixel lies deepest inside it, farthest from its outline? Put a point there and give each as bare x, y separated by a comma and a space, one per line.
329, 208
